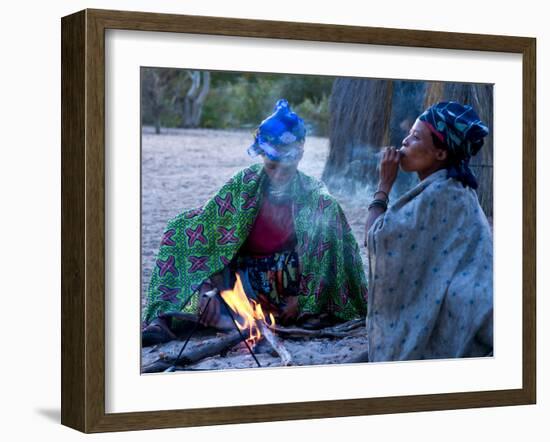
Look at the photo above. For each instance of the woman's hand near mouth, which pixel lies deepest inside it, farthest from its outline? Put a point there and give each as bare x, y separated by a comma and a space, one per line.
389, 166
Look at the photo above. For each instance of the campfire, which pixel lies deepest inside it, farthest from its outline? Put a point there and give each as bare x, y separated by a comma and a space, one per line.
249, 312
253, 319
253, 327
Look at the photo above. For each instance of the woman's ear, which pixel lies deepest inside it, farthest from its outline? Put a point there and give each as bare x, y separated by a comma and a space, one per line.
441, 155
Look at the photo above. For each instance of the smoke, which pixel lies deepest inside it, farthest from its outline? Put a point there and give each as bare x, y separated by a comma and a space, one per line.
359, 180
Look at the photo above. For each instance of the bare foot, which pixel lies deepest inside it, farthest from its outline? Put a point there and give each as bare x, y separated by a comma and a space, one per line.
157, 332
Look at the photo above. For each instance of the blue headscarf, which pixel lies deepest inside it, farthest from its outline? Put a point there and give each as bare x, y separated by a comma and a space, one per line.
460, 129
281, 136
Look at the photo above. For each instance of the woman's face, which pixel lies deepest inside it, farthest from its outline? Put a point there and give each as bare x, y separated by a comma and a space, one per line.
279, 173
418, 153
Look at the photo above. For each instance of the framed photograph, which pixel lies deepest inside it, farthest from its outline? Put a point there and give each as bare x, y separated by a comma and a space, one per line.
201, 285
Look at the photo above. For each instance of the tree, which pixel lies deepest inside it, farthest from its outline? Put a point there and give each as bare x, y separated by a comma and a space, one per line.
192, 100
173, 96
155, 85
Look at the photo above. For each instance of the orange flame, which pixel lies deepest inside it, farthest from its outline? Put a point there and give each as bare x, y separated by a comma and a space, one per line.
249, 311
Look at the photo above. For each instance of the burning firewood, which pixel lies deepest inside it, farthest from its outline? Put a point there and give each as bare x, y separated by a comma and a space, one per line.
276, 343
252, 316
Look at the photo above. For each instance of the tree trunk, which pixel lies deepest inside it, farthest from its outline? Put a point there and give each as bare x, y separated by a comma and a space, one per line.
157, 124
155, 88
194, 98
201, 97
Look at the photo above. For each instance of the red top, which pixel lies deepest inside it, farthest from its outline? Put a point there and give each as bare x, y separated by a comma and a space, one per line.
273, 230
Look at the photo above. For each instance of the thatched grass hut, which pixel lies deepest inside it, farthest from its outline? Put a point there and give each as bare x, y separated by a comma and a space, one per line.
359, 123
365, 116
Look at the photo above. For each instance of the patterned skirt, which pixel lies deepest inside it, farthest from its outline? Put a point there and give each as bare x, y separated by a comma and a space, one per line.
271, 279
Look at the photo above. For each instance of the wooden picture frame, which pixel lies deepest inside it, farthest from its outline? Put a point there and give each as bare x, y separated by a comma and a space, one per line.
83, 220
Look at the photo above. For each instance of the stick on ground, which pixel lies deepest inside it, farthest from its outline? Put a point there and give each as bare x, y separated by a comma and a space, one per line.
194, 354
275, 342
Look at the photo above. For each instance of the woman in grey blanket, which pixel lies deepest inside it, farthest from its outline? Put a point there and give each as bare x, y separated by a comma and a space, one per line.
431, 252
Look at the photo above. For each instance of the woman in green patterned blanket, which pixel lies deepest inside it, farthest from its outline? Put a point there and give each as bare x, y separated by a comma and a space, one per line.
270, 222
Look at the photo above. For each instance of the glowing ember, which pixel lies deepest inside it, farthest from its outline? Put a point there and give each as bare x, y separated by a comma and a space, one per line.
249, 311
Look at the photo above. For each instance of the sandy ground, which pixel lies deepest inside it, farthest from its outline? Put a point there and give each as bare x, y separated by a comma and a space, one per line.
182, 168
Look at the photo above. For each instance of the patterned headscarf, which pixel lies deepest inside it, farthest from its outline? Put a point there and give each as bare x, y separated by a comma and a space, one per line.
281, 136
460, 129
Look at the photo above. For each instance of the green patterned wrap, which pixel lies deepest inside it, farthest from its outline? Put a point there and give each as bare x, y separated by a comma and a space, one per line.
201, 242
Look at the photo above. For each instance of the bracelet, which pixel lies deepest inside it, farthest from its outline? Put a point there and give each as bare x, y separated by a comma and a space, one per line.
385, 194
378, 203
